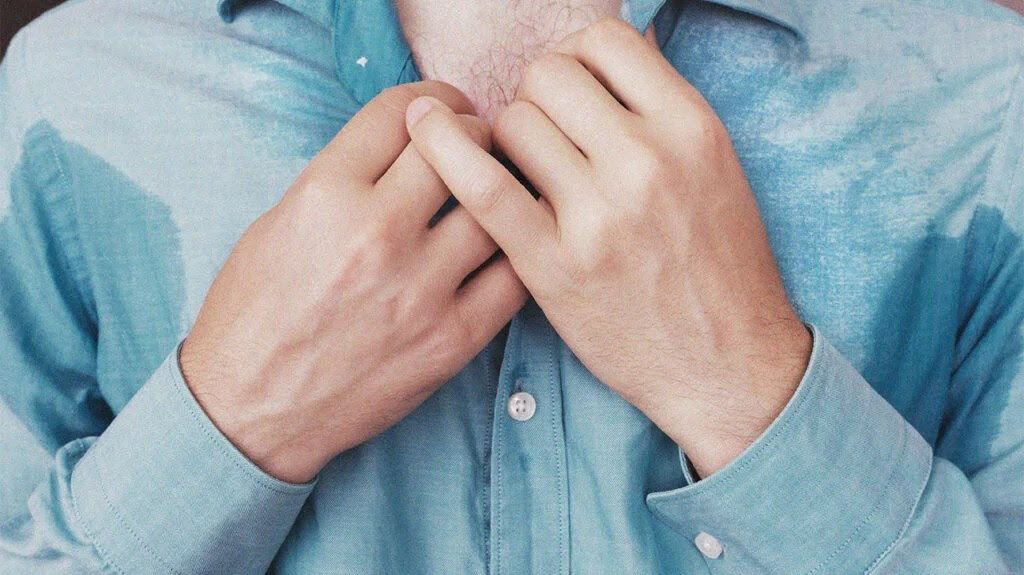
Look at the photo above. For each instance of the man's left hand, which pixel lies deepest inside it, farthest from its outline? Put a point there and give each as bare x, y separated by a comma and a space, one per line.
646, 250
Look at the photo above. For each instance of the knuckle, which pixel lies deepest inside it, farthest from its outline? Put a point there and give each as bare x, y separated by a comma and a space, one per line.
705, 129
310, 189
596, 253
412, 303
542, 70
598, 258
366, 255
396, 308
606, 29
580, 268
489, 189
310, 198
531, 82
647, 166
433, 124
519, 110
380, 240
553, 62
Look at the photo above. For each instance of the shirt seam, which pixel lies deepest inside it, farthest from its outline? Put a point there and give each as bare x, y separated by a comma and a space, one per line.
1003, 134
66, 226
554, 383
905, 437
101, 483
108, 563
485, 469
866, 520
1000, 146
906, 523
499, 449
72, 254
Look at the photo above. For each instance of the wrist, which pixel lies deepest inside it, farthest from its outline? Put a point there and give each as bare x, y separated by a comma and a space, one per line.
264, 435
714, 425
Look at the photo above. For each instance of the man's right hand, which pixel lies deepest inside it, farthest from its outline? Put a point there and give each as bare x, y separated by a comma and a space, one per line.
341, 309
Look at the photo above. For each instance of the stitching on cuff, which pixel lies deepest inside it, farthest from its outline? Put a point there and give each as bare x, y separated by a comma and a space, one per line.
906, 524
108, 563
122, 520
890, 480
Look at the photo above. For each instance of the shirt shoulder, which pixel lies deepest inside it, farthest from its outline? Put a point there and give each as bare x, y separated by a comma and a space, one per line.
980, 43
110, 73
990, 11
947, 72
77, 54
947, 32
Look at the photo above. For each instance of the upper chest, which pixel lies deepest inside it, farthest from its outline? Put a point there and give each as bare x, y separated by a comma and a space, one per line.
482, 48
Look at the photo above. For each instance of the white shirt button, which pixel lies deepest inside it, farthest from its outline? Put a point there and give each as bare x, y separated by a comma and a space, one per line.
521, 406
708, 545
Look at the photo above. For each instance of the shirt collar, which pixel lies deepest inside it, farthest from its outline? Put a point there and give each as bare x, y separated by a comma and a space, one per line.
792, 14
320, 11
371, 52
788, 13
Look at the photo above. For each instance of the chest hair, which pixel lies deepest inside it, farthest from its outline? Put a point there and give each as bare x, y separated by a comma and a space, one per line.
483, 46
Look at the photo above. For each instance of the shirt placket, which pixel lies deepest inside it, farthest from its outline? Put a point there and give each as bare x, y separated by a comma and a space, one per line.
529, 489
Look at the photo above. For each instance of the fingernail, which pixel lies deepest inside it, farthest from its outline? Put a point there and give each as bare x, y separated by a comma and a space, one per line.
417, 109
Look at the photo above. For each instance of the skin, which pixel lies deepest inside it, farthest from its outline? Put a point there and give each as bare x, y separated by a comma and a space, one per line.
482, 48
341, 310
646, 250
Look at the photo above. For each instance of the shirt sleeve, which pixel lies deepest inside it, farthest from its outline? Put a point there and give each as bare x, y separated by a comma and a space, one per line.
156, 488
841, 482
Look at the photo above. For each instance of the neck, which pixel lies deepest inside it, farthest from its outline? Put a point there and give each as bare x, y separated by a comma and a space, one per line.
482, 47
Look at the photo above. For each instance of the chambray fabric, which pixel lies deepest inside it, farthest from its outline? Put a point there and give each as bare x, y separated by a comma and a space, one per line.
883, 140
18, 473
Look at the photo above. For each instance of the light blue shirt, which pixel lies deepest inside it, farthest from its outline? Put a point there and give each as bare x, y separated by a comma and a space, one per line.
884, 141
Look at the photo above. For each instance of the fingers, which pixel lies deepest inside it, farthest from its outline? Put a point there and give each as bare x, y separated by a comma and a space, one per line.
585, 111
651, 38
545, 155
461, 244
487, 302
629, 65
373, 139
488, 191
411, 184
